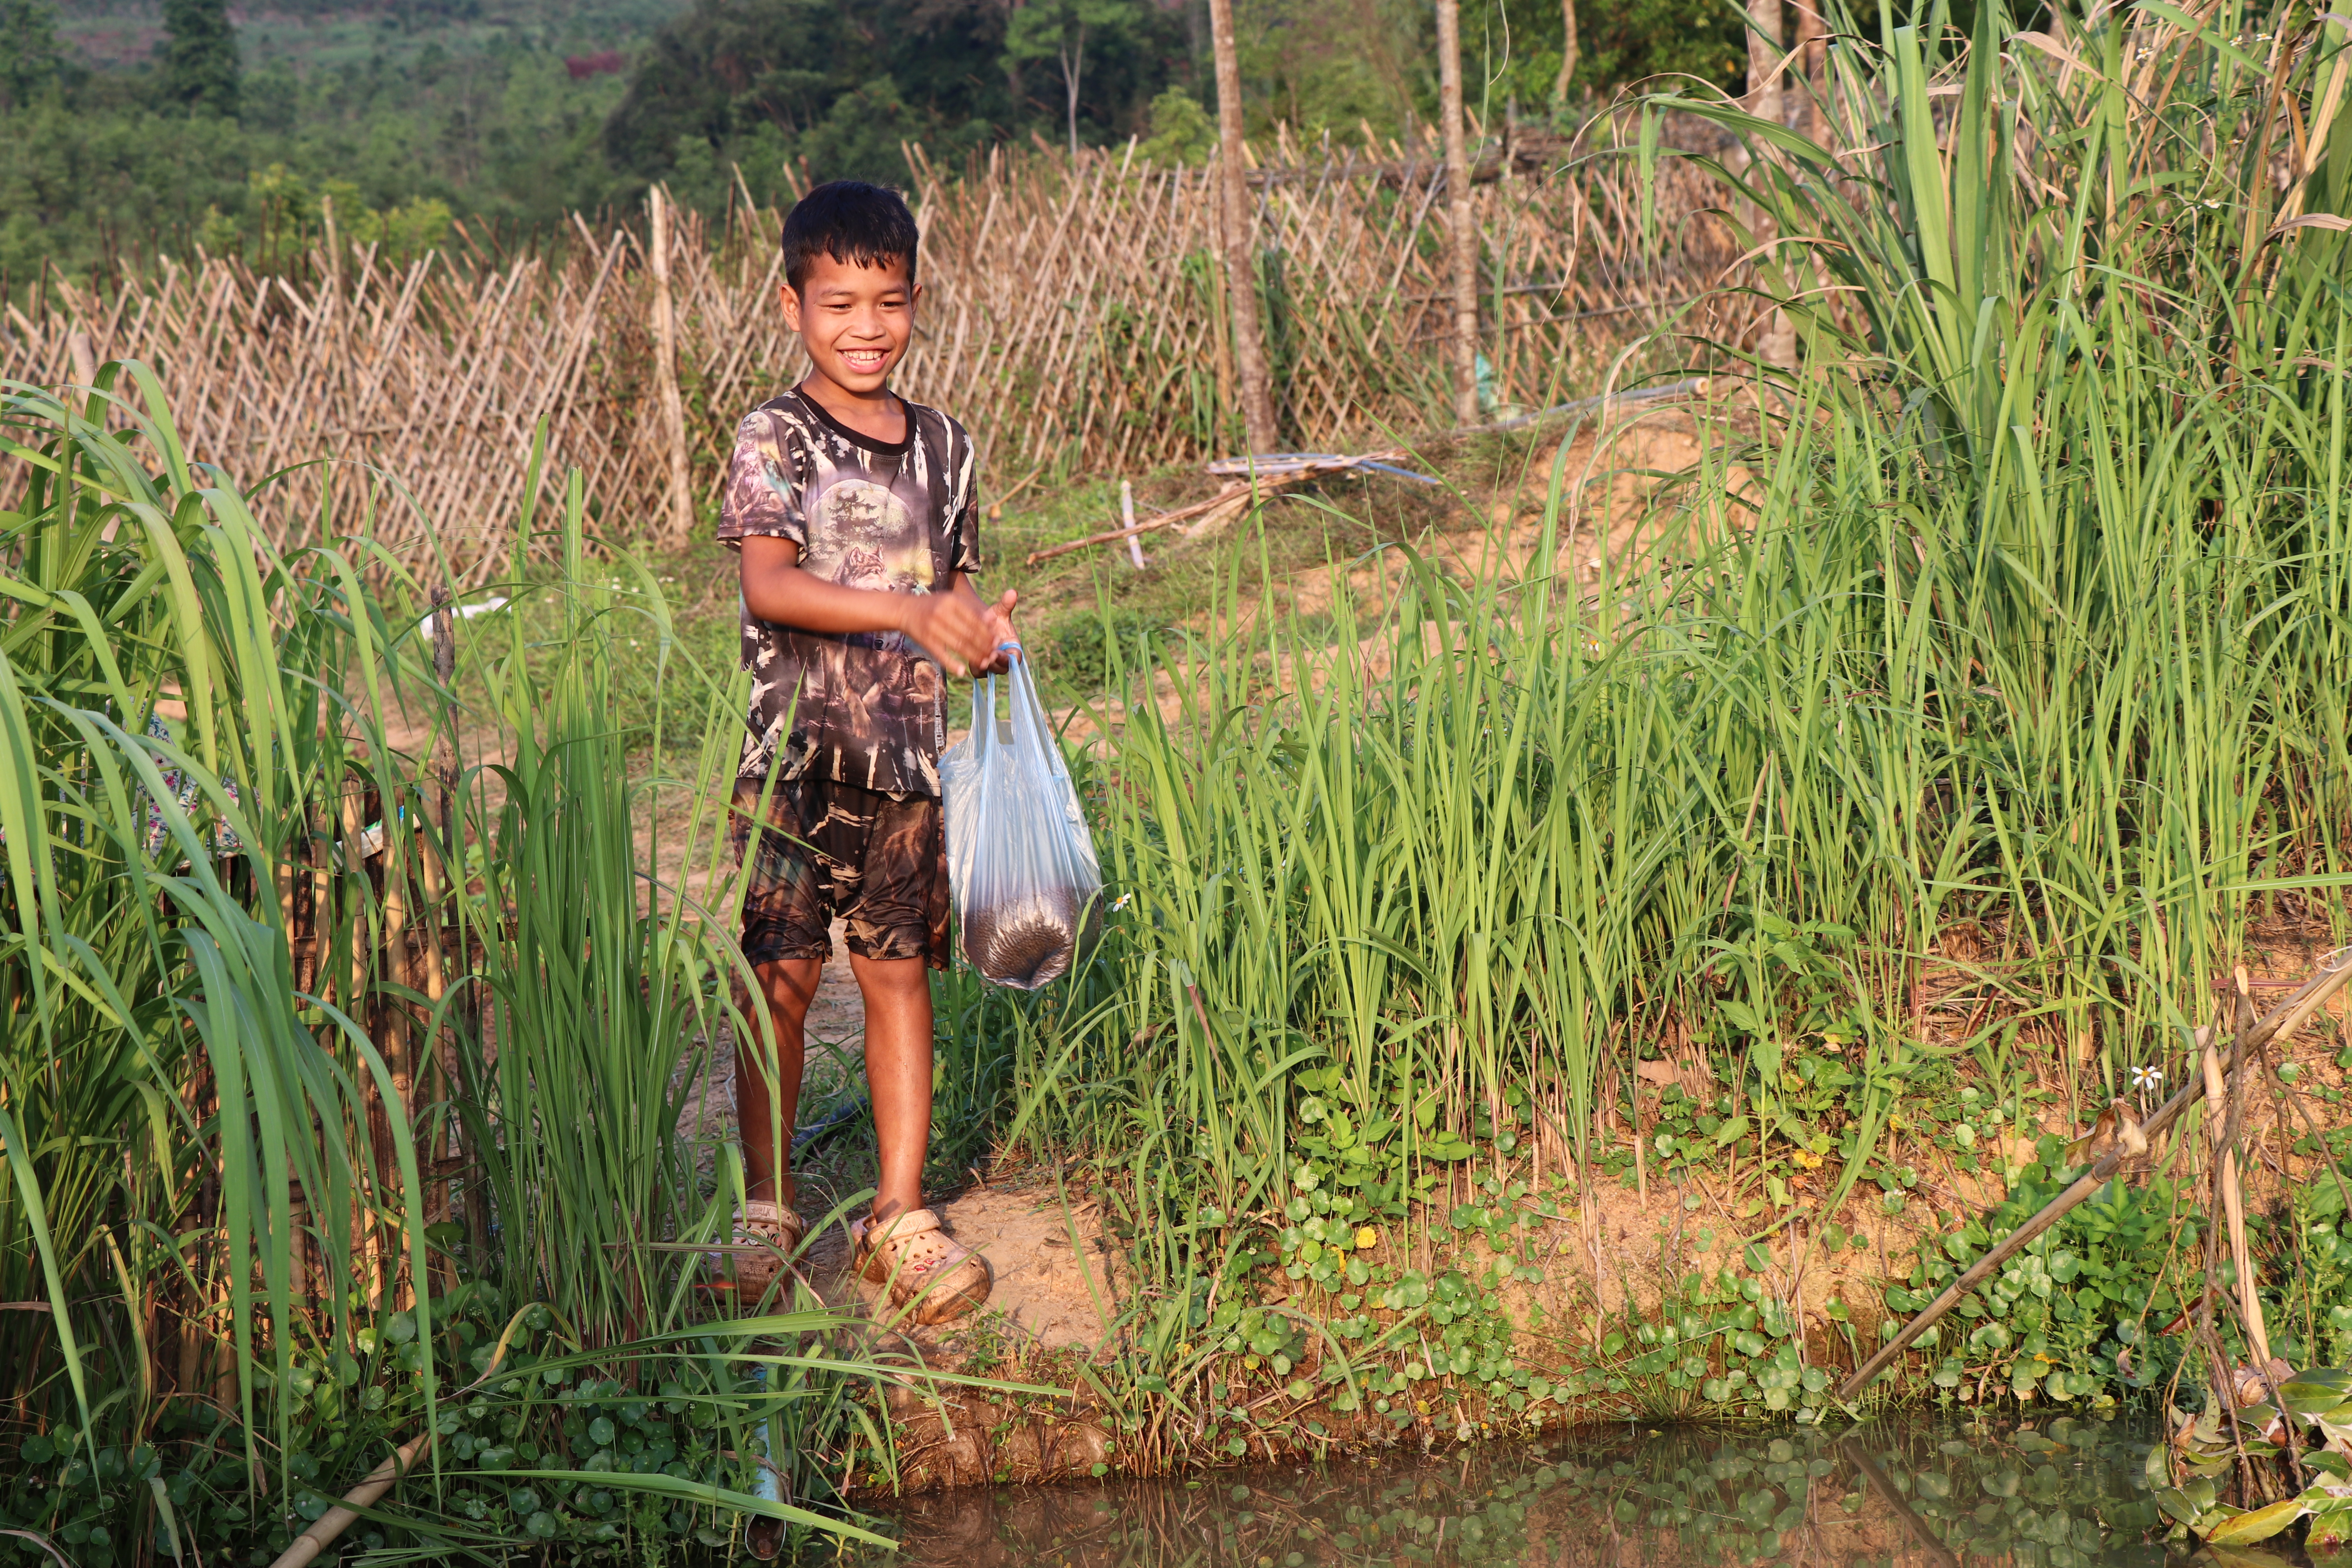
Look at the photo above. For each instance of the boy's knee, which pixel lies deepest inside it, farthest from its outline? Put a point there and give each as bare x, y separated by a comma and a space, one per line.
893, 976
788, 981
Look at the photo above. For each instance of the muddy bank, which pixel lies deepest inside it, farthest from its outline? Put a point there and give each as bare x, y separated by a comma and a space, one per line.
1651, 1288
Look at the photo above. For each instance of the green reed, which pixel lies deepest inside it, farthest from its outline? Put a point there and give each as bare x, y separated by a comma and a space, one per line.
2020, 603
346, 1029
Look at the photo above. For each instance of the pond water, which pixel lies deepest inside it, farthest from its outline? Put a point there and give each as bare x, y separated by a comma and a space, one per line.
2060, 1492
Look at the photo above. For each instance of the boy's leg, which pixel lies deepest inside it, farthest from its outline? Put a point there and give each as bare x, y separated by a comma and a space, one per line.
896, 913
787, 915
763, 1111
897, 994
898, 923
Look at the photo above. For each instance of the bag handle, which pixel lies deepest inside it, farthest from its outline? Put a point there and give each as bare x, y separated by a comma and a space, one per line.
1030, 726
984, 717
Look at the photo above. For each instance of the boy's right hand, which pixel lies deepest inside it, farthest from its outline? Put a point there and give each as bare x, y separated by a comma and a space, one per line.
951, 629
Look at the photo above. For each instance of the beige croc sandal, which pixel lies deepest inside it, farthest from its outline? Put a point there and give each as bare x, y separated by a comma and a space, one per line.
767, 1238
920, 1266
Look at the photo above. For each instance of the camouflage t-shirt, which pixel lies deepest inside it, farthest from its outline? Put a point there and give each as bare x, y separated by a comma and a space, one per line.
872, 707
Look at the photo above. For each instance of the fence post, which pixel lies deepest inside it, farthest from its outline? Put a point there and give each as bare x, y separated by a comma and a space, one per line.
84, 354
333, 411
680, 525
1813, 36
1777, 344
1240, 237
1462, 238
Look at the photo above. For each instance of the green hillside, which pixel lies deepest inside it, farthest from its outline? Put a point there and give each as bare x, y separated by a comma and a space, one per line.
133, 128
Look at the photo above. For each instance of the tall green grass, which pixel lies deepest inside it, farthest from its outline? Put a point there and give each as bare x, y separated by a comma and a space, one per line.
2020, 606
346, 1033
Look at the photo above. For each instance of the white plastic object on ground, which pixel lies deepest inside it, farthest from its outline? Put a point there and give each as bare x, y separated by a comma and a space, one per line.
466, 612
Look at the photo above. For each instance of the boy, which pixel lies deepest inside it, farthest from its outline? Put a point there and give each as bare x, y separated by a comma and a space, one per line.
854, 513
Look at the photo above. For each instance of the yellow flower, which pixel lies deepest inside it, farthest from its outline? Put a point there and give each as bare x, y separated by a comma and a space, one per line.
1366, 1236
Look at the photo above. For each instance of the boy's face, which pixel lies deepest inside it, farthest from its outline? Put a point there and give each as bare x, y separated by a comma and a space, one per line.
856, 320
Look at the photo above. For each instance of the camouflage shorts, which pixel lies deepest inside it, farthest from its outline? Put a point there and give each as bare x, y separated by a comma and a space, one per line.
879, 861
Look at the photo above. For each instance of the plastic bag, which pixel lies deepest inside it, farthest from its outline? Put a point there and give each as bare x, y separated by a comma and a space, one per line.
1021, 864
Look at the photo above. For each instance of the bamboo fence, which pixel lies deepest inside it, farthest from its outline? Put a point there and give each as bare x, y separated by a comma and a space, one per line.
1072, 315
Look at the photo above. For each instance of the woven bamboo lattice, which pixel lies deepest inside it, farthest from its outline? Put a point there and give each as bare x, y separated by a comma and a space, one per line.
1072, 316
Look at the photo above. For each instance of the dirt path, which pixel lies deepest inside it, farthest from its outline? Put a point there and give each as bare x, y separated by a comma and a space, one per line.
1058, 1286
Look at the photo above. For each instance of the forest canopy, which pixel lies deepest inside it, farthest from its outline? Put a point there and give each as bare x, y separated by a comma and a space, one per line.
134, 128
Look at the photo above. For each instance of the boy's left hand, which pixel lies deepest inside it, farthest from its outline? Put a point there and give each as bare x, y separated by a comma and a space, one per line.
999, 629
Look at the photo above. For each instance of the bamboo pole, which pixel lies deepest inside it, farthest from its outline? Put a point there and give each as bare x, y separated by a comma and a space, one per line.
1259, 485
2221, 1128
1917, 1528
84, 357
673, 408
1778, 343
1240, 237
336, 382
1462, 233
2281, 1020
1163, 519
1813, 38
323, 1531
1763, 60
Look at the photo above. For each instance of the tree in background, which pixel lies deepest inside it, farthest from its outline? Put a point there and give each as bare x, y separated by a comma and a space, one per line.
199, 52
1057, 31
837, 82
1460, 228
29, 56
1638, 39
1337, 65
1181, 131
1566, 77
1342, 67
1537, 53
515, 126
282, 216
1253, 385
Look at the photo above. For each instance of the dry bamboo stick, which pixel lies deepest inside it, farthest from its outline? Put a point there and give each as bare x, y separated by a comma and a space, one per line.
1917, 1527
1161, 520
1461, 231
322, 1533
2281, 1020
2228, 1107
673, 408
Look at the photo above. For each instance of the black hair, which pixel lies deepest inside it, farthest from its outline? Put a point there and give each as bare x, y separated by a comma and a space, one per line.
854, 222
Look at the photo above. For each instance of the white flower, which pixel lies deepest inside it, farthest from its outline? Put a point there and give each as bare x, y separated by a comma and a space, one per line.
2146, 1080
